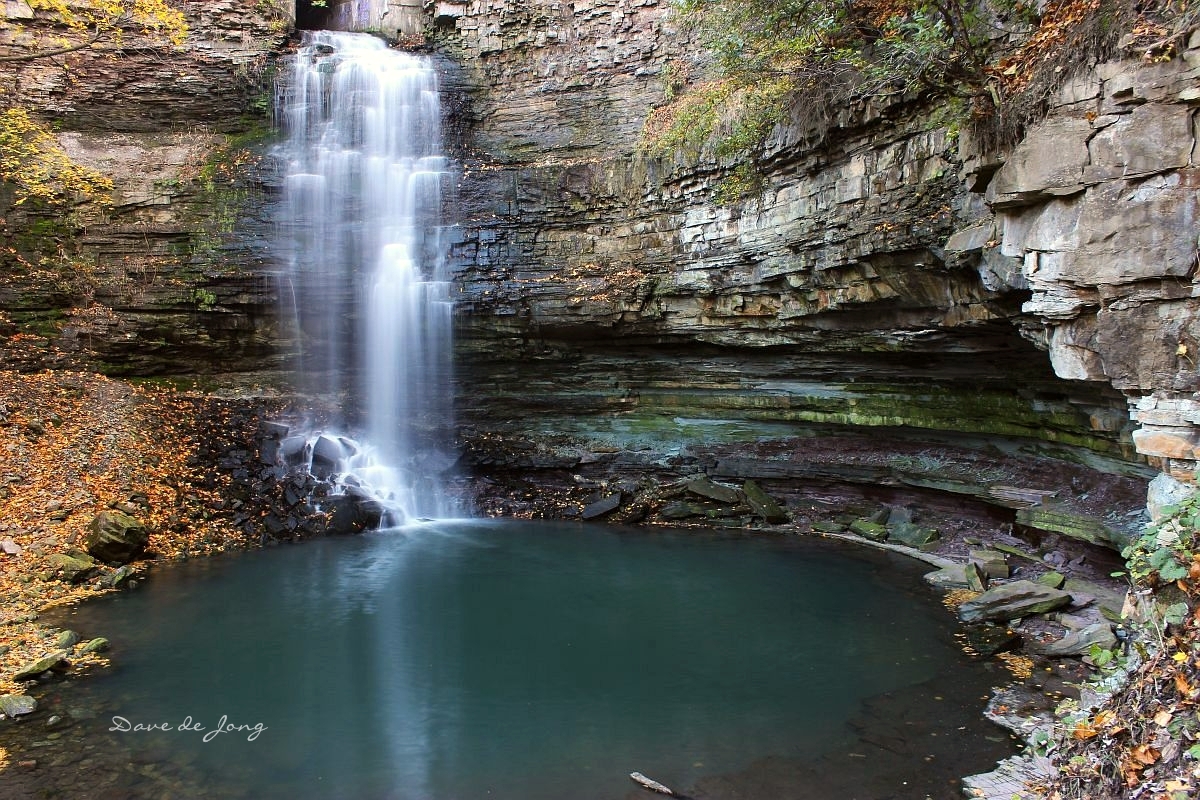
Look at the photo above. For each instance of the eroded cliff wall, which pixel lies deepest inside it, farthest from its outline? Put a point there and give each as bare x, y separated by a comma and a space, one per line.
175, 276
609, 299
1096, 214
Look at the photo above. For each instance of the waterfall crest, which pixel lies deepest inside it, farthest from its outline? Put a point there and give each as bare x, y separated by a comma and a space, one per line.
362, 235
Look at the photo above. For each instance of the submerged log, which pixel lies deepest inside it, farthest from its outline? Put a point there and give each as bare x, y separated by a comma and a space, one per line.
653, 786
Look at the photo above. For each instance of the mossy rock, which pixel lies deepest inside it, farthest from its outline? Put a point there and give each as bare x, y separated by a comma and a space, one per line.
911, 535
97, 645
116, 537
16, 705
55, 660
763, 504
874, 531
73, 567
1012, 601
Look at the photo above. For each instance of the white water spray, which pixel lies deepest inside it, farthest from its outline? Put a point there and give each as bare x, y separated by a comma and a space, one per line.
363, 233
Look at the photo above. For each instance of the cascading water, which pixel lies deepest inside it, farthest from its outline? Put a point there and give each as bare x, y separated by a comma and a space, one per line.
363, 237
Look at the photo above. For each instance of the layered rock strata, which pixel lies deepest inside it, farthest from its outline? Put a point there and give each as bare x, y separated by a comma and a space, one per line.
1095, 213
890, 286
174, 276
607, 297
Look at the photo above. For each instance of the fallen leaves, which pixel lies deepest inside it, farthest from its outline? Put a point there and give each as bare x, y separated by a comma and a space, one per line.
74, 444
1136, 762
1145, 755
1021, 667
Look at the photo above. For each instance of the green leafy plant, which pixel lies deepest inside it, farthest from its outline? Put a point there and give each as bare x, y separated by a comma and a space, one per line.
204, 299
1166, 552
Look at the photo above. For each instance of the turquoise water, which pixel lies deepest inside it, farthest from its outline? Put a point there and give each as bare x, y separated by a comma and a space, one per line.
516, 660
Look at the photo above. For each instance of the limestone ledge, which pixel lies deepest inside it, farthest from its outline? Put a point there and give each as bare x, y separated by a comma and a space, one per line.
602, 289
839, 243
1097, 212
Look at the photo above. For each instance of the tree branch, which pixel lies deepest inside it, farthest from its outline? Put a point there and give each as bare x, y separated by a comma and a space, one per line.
97, 35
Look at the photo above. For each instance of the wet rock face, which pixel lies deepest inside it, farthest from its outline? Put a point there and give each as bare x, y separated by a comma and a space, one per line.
608, 299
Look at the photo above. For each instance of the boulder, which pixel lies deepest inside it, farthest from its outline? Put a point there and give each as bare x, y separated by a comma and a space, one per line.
16, 705
682, 509
1166, 492
1012, 601
1078, 643
910, 534
874, 531
327, 456
268, 452
116, 537
987, 640
704, 487
292, 451
55, 660
991, 562
1054, 580
951, 577
763, 504
602, 506
66, 640
97, 645
73, 567
977, 580
353, 515
119, 577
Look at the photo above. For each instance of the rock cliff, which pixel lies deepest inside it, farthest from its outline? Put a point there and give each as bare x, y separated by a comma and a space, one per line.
891, 284
174, 277
1095, 213
897, 312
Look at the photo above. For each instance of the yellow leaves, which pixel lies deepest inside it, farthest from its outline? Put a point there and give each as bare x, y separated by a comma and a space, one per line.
111, 441
107, 17
1103, 722
954, 598
1021, 667
34, 162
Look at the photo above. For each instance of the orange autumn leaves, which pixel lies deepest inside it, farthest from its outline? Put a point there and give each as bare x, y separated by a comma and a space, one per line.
73, 444
1135, 739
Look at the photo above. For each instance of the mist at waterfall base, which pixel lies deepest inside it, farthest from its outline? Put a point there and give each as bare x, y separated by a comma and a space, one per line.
522, 661
366, 284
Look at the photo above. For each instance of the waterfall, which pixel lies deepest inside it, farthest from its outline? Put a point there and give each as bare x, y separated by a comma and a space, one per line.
362, 236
